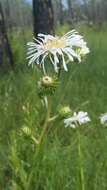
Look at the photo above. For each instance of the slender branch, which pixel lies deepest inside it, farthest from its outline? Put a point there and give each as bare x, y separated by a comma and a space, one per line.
53, 118
35, 140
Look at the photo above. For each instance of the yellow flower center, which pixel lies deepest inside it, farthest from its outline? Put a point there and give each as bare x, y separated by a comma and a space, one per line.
57, 43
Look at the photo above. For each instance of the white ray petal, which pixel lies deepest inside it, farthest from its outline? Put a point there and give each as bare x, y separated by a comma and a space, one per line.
69, 33
34, 57
38, 41
54, 64
64, 64
69, 55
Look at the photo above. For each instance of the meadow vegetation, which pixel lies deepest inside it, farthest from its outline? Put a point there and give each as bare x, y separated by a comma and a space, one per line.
84, 87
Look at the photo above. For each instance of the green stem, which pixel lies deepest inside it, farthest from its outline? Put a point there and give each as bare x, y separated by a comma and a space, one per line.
80, 162
36, 154
53, 118
34, 140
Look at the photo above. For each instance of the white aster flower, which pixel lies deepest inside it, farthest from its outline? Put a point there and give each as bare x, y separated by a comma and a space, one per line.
80, 118
103, 118
56, 48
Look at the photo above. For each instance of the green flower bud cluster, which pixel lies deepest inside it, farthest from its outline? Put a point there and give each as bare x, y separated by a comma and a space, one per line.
64, 111
26, 132
47, 86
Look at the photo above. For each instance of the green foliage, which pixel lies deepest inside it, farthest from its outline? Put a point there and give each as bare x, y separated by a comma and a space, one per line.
59, 165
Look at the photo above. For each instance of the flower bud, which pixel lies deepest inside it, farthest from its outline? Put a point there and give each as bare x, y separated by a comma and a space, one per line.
47, 86
64, 111
26, 131
47, 81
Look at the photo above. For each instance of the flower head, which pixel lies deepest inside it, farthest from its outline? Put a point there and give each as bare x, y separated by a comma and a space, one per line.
103, 118
77, 118
56, 48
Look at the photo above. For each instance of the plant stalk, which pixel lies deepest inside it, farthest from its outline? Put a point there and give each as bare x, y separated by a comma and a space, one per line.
36, 154
80, 162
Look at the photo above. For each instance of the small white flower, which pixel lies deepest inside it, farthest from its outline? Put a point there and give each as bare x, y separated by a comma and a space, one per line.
56, 49
80, 118
84, 50
103, 118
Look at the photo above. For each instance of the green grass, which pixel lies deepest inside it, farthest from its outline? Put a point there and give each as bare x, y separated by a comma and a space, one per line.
65, 155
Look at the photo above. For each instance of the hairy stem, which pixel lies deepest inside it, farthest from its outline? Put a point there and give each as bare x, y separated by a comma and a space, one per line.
36, 154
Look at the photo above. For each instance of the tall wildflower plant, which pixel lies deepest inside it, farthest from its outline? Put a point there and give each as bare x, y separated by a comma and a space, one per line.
56, 52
